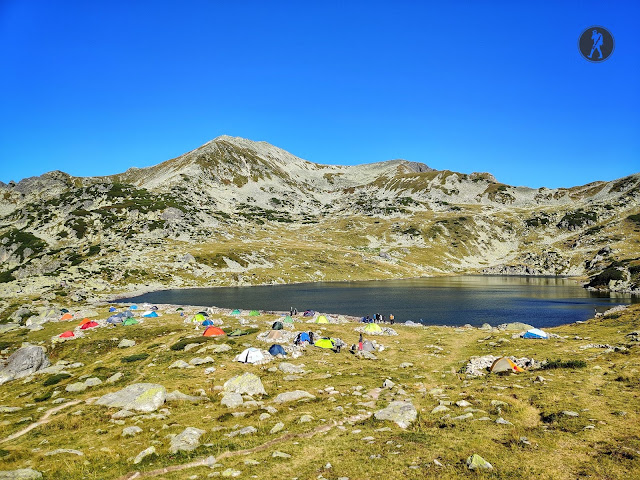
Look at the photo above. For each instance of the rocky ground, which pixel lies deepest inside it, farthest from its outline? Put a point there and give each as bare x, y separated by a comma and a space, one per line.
158, 400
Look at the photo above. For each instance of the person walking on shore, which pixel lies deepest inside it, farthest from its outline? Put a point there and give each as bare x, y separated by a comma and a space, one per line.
360, 343
391, 318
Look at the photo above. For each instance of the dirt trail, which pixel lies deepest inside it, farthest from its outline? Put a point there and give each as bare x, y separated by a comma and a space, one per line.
45, 419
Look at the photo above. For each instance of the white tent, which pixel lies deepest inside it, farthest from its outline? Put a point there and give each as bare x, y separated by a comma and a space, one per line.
250, 355
535, 333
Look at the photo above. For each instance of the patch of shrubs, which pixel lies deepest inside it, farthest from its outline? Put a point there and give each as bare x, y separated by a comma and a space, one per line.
57, 378
604, 277
134, 358
553, 364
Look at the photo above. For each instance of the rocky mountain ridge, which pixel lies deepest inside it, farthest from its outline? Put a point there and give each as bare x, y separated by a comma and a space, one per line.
234, 211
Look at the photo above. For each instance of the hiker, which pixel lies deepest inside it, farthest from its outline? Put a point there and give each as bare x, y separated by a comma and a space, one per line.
310, 338
291, 311
360, 343
597, 43
391, 318
295, 311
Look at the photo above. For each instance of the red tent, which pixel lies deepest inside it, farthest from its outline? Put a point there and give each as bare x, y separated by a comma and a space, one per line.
67, 334
88, 325
213, 332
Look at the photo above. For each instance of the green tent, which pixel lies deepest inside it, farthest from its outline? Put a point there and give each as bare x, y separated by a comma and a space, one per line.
254, 313
322, 319
324, 343
198, 317
236, 333
373, 328
235, 312
130, 321
287, 319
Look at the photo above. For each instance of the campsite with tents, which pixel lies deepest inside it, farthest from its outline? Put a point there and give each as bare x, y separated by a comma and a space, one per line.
195, 392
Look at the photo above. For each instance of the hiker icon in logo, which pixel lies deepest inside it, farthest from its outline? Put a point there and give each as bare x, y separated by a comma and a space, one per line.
596, 39
597, 43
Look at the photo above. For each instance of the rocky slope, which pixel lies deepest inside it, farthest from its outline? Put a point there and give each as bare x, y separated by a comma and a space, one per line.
236, 211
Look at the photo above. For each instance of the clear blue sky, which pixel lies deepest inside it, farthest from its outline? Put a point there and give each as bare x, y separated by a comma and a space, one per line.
95, 87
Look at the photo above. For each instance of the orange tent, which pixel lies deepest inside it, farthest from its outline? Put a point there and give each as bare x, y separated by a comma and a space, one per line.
67, 334
213, 332
84, 320
66, 316
503, 364
89, 325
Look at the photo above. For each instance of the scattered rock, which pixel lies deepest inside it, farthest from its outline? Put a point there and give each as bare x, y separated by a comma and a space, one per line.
201, 361
277, 428
293, 396
145, 453
278, 454
124, 343
476, 462
569, 413
406, 365
20, 474
388, 384
92, 382
63, 450
177, 396
231, 400
180, 364
187, 440
142, 397
502, 421
114, 378
247, 383
76, 387
286, 367
402, 413
305, 419
131, 431
440, 409
230, 472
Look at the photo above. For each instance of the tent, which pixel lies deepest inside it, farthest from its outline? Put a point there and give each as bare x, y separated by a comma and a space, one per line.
130, 321
133, 307
287, 319
150, 314
274, 335
373, 328
367, 346
207, 322
67, 334
84, 320
154, 308
127, 314
276, 349
302, 337
66, 316
503, 364
250, 355
277, 326
112, 309
213, 332
237, 333
322, 319
308, 313
89, 325
235, 312
198, 317
179, 309
64, 310
202, 312
535, 333
114, 319
325, 343
254, 313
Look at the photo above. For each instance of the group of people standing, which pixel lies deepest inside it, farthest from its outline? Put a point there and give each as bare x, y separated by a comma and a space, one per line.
378, 318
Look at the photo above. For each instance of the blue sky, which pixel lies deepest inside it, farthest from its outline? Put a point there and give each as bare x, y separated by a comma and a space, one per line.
93, 88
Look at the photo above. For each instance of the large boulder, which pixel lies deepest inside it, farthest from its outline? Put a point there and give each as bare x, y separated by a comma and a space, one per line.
21, 474
402, 413
142, 397
23, 362
247, 383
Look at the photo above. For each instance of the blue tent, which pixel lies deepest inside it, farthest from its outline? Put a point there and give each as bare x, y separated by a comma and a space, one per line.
276, 349
112, 309
304, 337
151, 315
127, 314
133, 307
207, 322
114, 319
535, 333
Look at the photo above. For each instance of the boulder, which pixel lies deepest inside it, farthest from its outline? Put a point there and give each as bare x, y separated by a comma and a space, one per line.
247, 383
142, 397
124, 343
476, 462
286, 367
20, 474
187, 440
23, 362
178, 396
402, 413
145, 453
293, 396
231, 400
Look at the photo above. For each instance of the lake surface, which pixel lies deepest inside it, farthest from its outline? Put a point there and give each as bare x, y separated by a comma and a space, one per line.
539, 301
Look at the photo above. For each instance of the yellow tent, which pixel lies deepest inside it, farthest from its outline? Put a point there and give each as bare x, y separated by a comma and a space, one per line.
503, 364
373, 328
322, 319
